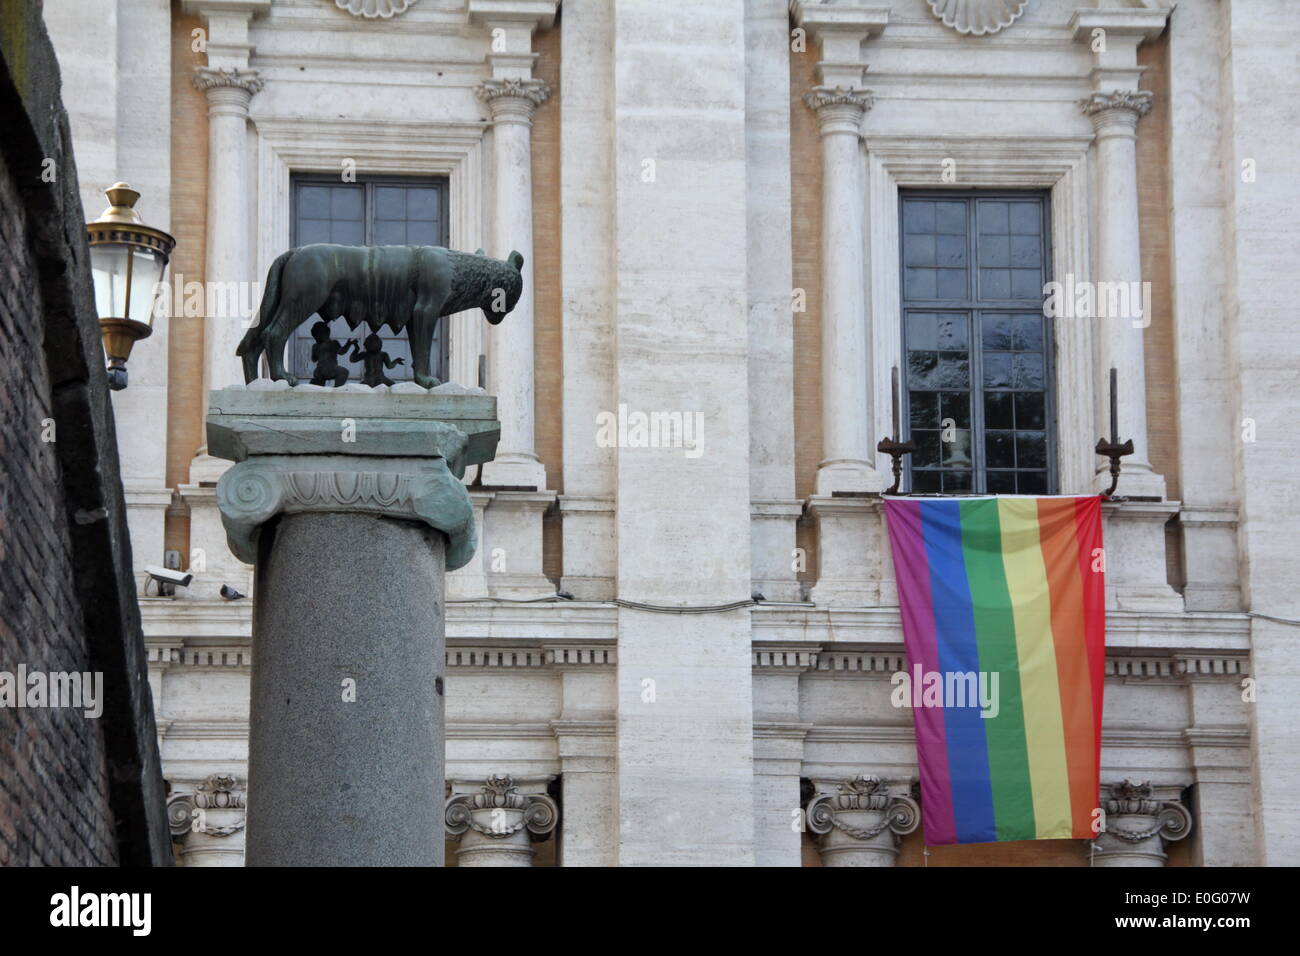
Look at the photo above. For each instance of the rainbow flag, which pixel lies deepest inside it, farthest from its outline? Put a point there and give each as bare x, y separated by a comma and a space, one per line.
1003, 600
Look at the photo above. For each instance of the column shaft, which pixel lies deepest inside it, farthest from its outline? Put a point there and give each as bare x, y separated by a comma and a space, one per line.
334, 781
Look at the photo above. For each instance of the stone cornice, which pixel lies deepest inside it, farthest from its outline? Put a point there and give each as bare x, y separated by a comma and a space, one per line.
209, 78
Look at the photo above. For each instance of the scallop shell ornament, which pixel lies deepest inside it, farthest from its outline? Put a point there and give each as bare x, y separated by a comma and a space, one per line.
977, 17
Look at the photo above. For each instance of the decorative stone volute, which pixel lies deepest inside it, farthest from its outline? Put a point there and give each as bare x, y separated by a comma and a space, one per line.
496, 824
861, 822
1137, 825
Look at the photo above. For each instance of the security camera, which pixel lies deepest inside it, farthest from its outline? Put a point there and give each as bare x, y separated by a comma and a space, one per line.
167, 579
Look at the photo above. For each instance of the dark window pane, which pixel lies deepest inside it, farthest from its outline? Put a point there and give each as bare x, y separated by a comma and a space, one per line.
1030, 412
995, 251
993, 218
997, 370
1028, 333
389, 233
956, 453
1026, 284
997, 410
954, 370
422, 233
999, 450
422, 203
951, 331
313, 230
314, 202
927, 449
957, 407
921, 369
921, 283
950, 250
995, 283
918, 250
1031, 450
922, 331
390, 202
1001, 482
923, 409
995, 331
1026, 218
1032, 483
347, 233
956, 481
926, 481
347, 203
950, 284
1028, 370
950, 218
918, 216
1026, 252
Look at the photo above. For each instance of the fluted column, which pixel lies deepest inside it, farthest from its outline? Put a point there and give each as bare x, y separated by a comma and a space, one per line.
861, 822
229, 91
495, 824
208, 824
1120, 310
1138, 826
513, 101
840, 102
1118, 262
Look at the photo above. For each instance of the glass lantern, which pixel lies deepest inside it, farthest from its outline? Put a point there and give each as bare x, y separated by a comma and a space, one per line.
127, 262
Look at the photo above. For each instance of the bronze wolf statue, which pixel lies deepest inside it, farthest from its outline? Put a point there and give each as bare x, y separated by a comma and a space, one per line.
407, 287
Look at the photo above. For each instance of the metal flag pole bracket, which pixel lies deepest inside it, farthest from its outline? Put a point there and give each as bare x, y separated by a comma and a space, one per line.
1112, 448
892, 447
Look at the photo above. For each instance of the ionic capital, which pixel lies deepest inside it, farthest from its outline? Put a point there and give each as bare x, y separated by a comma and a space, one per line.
862, 809
498, 810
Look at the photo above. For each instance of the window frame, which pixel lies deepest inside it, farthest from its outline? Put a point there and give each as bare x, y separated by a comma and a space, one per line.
302, 178
972, 306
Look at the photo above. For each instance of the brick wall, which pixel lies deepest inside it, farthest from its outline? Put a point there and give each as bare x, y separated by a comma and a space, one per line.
73, 790
189, 155
548, 305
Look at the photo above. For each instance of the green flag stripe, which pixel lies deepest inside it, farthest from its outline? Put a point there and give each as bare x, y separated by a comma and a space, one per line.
995, 636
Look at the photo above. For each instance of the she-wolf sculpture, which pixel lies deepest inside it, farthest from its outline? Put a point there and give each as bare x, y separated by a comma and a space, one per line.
407, 287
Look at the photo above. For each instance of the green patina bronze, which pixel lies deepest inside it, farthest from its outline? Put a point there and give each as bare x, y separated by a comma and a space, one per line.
403, 287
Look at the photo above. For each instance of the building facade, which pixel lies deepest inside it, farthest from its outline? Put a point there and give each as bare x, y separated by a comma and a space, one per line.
741, 221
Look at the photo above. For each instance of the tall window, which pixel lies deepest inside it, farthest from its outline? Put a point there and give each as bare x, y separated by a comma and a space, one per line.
373, 211
978, 368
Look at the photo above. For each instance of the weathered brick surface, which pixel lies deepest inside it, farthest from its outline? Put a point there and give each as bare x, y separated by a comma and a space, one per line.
73, 790
53, 778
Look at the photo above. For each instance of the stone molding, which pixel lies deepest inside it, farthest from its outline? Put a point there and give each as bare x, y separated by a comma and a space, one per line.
254, 490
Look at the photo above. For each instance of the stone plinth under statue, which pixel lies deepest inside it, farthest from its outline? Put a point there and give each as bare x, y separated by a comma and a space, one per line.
350, 504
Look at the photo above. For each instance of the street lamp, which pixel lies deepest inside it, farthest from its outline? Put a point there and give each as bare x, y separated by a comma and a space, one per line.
127, 261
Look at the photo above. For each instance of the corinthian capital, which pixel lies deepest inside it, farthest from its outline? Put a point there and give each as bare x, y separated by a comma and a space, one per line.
1137, 102
514, 96
212, 78
852, 97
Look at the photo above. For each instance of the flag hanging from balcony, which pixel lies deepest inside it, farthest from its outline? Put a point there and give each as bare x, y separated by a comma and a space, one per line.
1003, 608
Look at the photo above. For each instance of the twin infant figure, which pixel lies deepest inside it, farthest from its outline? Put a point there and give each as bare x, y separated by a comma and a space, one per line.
326, 353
